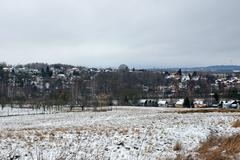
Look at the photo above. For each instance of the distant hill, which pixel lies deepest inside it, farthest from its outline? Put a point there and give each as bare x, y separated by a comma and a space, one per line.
216, 68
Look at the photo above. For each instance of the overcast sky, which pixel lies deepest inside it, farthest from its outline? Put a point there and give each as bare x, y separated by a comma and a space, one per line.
106, 33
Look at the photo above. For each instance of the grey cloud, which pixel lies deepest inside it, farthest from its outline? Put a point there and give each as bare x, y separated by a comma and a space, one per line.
146, 33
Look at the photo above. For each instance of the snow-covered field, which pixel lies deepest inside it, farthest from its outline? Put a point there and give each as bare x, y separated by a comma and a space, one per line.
17, 111
124, 133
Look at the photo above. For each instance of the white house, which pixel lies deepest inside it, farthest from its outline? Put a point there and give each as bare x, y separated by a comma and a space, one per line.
61, 76
115, 102
185, 78
230, 104
179, 103
199, 103
147, 102
196, 78
162, 103
142, 102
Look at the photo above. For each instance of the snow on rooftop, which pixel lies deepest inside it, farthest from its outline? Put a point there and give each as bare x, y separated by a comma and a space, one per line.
180, 102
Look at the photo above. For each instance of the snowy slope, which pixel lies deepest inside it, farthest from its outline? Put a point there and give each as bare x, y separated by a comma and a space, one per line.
124, 133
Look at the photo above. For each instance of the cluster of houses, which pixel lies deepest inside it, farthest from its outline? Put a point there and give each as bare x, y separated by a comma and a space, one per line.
34, 77
62, 73
197, 103
228, 82
170, 86
65, 74
221, 79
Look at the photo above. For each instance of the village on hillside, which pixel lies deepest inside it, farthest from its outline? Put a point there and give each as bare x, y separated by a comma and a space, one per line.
68, 85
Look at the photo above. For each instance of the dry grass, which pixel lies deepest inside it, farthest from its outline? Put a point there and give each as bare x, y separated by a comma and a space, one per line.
220, 110
236, 124
40, 135
63, 130
136, 130
9, 135
177, 147
180, 157
220, 148
123, 131
20, 136
149, 148
101, 110
215, 148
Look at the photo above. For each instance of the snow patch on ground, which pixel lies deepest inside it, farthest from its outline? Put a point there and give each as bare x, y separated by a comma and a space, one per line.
123, 133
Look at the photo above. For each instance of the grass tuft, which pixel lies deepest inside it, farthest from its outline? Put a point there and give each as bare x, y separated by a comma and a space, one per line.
177, 147
220, 148
236, 124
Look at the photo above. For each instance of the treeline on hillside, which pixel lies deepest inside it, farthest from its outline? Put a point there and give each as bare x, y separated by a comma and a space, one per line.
58, 84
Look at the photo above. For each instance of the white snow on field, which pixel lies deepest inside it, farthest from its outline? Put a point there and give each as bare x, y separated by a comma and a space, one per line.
17, 111
125, 133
